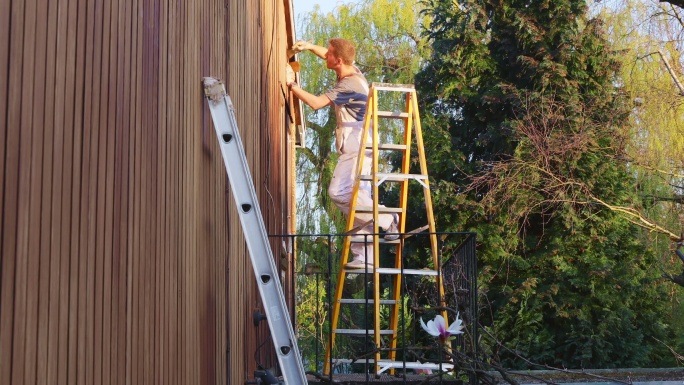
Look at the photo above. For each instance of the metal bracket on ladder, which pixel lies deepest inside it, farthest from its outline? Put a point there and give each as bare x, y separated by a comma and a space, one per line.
242, 186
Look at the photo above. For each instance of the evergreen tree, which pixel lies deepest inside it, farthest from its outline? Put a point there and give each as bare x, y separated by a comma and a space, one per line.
526, 123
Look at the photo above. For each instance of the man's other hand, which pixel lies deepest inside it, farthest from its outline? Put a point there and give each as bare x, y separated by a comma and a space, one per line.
301, 45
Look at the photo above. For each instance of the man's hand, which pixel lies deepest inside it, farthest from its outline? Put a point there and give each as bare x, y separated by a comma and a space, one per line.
301, 45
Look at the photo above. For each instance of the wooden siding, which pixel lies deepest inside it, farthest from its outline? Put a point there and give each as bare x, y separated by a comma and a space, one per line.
123, 260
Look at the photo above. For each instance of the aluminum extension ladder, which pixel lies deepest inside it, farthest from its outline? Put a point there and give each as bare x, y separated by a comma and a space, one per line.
242, 186
410, 118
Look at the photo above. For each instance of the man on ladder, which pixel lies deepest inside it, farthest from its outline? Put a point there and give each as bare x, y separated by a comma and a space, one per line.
349, 96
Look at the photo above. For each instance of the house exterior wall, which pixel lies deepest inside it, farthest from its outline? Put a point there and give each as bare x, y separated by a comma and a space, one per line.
123, 260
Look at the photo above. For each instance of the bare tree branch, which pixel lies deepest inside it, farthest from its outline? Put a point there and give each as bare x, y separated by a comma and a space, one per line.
527, 361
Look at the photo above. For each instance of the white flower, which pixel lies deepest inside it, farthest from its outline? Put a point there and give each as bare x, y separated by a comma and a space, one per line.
438, 327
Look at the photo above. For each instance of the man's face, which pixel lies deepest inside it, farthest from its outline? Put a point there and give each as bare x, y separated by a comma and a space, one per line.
332, 61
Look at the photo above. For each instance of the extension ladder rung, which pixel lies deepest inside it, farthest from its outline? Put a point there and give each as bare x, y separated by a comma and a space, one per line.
394, 87
393, 114
388, 147
381, 210
354, 301
362, 332
394, 177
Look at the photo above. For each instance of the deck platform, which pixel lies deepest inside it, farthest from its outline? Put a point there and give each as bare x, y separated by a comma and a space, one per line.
358, 379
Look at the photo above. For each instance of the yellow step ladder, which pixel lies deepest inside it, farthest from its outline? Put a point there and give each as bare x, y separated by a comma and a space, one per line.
412, 128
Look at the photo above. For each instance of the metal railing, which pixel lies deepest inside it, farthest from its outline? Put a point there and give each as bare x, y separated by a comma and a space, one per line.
315, 268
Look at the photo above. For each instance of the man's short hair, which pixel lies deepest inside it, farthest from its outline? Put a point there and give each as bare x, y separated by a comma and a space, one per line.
344, 49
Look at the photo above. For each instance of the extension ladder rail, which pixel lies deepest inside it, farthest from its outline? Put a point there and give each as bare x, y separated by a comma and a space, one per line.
242, 186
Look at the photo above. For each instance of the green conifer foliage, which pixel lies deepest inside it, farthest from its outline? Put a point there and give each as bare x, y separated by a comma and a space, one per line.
525, 122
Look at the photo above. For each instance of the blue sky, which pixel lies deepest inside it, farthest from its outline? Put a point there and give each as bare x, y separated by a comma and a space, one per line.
303, 6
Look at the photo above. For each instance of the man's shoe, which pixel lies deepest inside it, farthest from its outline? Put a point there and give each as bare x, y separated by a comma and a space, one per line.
357, 264
392, 232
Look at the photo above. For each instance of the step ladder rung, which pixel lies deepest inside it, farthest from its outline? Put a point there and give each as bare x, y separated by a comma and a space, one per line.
393, 87
370, 301
395, 271
393, 114
388, 147
381, 210
369, 239
388, 364
362, 332
394, 177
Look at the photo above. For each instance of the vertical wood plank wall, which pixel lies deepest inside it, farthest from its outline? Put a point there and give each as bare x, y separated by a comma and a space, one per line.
123, 260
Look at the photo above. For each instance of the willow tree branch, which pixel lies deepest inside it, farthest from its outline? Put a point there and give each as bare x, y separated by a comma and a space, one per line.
637, 218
